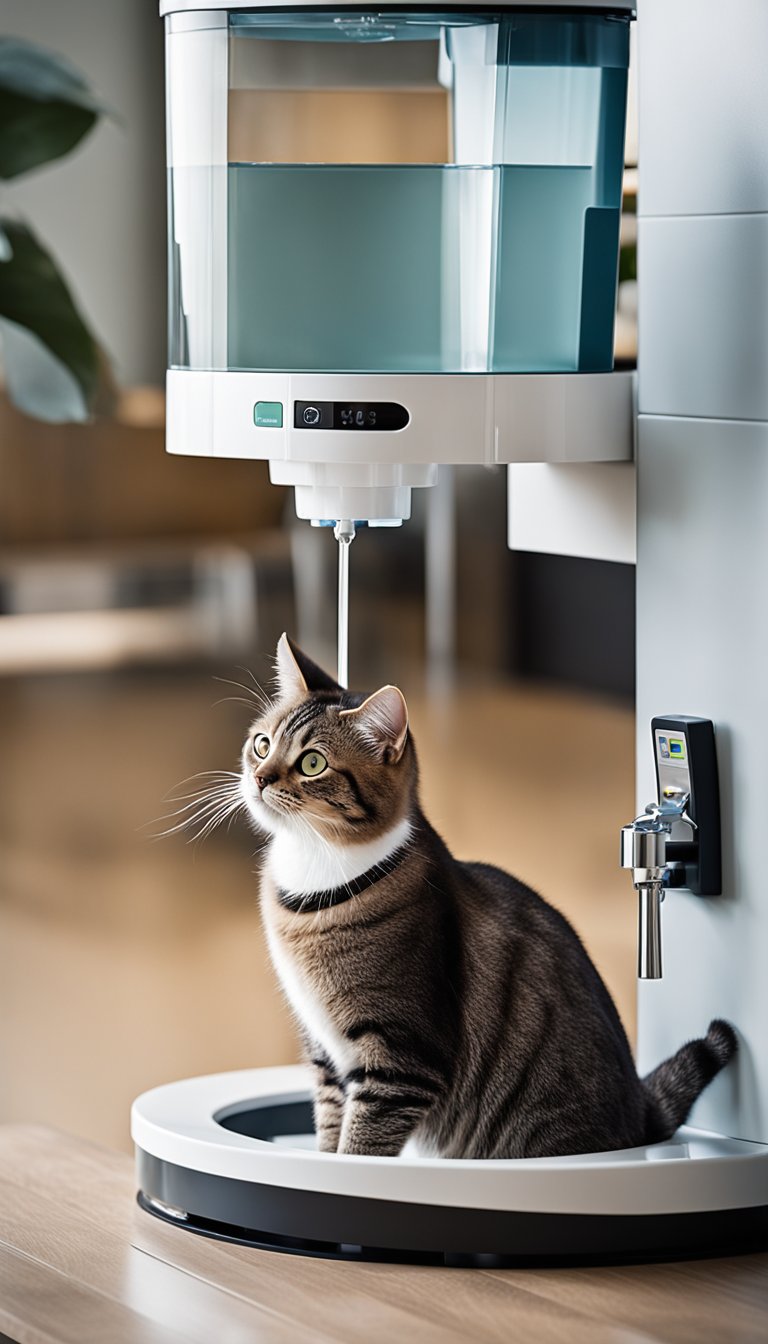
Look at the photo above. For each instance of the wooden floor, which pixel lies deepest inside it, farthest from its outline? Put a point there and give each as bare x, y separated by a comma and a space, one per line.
81, 1264
125, 963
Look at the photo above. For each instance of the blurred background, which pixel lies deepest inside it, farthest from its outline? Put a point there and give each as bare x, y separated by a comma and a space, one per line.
134, 587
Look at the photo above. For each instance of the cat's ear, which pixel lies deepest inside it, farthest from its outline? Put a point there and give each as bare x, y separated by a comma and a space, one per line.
297, 674
383, 721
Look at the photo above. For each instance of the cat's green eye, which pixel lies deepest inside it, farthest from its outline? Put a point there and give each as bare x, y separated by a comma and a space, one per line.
261, 745
312, 763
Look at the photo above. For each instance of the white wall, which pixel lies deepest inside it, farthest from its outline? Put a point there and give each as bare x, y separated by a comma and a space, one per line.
702, 561
102, 209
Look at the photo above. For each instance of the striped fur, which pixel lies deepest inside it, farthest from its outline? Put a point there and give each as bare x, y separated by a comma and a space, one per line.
441, 1001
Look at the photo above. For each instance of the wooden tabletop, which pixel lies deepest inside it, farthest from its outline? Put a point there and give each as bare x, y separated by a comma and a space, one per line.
80, 1263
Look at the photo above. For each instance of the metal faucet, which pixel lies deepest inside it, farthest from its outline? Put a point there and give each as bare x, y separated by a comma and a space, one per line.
657, 862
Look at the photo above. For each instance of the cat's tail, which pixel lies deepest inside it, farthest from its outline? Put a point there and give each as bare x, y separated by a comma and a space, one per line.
675, 1084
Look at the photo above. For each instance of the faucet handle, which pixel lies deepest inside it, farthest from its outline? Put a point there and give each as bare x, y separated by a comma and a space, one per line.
663, 815
674, 806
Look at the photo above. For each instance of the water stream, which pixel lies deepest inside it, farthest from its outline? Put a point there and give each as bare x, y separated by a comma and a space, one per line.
344, 532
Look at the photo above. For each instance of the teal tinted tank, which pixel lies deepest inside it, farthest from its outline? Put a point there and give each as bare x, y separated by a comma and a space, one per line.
396, 191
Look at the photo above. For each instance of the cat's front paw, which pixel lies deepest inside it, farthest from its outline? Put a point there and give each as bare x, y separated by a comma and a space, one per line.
359, 1147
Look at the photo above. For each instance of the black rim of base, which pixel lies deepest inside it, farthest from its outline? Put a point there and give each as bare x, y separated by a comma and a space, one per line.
753, 1238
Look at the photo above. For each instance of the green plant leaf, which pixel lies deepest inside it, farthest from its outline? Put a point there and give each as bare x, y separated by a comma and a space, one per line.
52, 363
36, 381
46, 107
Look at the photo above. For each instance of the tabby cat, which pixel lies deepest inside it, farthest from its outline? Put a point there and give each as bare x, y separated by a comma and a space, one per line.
440, 1001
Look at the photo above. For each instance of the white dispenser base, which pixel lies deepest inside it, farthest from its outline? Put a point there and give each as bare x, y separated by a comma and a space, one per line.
229, 1156
462, 418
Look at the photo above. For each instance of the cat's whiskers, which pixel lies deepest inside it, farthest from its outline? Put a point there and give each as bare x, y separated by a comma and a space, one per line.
232, 700
194, 800
227, 810
221, 805
266, 698
187, 823
255, 696
218, 776
210, 805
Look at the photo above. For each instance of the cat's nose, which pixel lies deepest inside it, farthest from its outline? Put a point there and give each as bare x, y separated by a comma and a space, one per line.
263, 780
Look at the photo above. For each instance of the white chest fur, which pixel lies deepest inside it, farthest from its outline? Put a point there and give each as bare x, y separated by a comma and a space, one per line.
300, 862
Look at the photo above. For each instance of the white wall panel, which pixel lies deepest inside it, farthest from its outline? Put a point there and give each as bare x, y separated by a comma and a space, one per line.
703, 88
702, 620
703, 315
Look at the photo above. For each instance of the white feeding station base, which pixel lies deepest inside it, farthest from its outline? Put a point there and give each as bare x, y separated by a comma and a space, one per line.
232, 1156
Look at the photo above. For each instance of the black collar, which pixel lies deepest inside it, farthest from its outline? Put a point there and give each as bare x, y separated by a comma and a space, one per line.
323, 900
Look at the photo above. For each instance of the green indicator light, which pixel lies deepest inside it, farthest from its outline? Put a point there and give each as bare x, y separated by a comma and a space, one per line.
268, 414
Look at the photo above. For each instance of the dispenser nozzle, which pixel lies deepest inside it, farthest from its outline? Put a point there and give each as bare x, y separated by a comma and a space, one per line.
649, 941
344, 530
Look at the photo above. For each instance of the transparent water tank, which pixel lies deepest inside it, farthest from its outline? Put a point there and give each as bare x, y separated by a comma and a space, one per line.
371, 191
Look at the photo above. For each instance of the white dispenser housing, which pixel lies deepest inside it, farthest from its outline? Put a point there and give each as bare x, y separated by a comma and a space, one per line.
394, 242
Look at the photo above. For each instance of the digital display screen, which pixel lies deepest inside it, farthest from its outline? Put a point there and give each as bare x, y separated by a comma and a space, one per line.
354, 415
671, 749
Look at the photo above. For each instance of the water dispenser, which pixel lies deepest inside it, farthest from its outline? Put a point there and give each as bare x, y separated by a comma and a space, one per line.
378, 217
